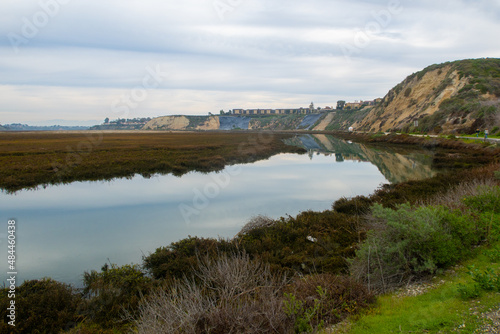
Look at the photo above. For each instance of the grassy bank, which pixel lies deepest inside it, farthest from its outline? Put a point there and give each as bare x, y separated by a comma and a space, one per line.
30, 159
450, 302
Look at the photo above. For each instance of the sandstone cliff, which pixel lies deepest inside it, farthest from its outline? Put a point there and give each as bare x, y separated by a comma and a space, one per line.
451, 97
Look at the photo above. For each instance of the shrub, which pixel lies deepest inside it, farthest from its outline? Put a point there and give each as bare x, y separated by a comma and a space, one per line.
488, 280
180, 258
309, 242
232, 294
468, 291
258, 221
412, 242
42, 306
353, 206
325, 299
488, 200
487, 206
493, 254
112, 291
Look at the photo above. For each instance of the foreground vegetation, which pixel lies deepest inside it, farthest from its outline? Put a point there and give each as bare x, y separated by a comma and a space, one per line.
451, 302
33, 159
304, 273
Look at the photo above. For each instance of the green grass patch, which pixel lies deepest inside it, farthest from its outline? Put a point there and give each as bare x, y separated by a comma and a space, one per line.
442, 309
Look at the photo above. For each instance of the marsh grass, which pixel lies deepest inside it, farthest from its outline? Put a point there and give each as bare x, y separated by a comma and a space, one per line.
28, 160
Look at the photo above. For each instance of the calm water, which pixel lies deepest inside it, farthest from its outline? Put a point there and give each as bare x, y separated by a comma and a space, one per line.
65, 230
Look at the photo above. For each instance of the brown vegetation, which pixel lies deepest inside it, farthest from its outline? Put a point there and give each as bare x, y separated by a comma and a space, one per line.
232, 294
32, 159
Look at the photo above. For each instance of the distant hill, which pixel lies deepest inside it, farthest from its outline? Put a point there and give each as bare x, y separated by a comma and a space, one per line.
451, 97
25, 127
122, 124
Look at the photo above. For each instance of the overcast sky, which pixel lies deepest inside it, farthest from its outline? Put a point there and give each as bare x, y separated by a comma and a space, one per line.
85, 60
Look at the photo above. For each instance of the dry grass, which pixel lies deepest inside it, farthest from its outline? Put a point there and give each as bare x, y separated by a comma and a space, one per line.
452, 198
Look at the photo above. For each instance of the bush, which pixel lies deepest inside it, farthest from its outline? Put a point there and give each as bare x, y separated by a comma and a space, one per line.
231, 295
493, 254
468, 291
487, 207
309, 242
256, 222
180, 258
42, 306
488, 280
353, 206
487, 201
412, 242
324, 299
111, 292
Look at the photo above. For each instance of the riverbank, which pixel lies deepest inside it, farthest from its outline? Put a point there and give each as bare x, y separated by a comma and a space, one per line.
447, 303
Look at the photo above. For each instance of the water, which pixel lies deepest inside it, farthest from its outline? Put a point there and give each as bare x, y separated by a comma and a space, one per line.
65, 230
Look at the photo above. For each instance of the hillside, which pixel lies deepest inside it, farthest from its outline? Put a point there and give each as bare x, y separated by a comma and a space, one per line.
451, 97
25, 127
264, 122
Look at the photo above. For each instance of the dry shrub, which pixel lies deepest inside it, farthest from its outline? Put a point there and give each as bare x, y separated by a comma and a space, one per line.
259, 221
232, 294
453, 198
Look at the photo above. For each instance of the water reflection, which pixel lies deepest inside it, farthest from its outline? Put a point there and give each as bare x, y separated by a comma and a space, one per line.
64, 230
396, 164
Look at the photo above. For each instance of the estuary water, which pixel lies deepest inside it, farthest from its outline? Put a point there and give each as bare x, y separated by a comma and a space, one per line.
64, 230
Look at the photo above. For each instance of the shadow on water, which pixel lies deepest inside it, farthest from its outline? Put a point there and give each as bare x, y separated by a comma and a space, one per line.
396, 164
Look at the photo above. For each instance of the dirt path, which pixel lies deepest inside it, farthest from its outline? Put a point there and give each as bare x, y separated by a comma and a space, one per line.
325, 122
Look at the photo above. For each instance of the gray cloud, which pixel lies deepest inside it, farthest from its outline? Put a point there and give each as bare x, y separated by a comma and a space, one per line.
76, 55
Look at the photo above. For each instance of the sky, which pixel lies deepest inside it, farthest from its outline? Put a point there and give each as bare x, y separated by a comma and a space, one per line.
80, 61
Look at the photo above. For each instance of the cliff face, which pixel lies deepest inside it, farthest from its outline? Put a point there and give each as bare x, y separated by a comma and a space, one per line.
269, 122
449, 97
167, 123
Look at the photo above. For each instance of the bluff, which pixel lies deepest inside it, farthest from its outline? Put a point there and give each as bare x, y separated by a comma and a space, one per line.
253, 122
451, 97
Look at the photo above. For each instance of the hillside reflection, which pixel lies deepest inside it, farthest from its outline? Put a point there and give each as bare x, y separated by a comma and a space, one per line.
396, 164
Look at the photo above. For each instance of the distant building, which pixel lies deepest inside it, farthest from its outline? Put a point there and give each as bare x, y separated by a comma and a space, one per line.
353, 105
273, 111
